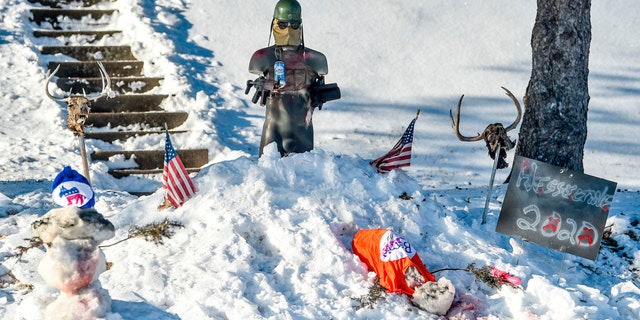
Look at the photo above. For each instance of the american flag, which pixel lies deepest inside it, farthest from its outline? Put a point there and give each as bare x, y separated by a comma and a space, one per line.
400, 154
175, 178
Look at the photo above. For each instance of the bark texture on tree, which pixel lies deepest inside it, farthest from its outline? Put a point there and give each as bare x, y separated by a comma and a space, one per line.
554, 125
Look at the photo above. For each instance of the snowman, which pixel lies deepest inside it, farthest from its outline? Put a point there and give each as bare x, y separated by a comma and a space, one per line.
73, 261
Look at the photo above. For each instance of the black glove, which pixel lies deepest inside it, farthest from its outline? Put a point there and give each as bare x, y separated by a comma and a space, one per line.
313, 89
261, 92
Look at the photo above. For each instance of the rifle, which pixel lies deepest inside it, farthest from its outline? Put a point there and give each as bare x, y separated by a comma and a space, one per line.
319, 91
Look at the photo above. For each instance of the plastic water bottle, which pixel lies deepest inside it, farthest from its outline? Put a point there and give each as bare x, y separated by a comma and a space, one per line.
279, 74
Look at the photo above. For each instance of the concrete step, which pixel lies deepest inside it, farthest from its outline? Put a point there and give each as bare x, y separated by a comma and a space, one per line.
156, 119
61, 3
89, 69
53, 15
118, 84
129, 102
111, 136
154, 159
90, 35
89, 53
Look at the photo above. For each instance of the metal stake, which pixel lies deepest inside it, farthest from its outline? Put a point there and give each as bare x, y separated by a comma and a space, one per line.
564, 253
519, 254
85, 162
493, 176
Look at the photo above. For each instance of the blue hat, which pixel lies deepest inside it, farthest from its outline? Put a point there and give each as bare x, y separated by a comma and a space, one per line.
72, 189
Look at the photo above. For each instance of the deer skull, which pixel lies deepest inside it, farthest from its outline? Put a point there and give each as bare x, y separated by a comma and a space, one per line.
79, 106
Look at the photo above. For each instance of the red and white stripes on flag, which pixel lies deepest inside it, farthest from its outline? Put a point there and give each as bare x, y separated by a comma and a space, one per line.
175, 178
400, 154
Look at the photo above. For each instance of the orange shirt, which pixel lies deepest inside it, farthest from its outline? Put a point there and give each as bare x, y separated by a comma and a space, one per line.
389, 255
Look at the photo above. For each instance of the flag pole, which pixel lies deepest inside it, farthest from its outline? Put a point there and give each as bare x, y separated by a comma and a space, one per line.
165, 201
493, 176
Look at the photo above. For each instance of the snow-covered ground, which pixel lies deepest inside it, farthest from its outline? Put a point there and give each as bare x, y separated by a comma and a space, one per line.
270, 238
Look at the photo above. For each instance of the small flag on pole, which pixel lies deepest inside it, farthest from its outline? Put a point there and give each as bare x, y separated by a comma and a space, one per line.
400, 154
175, 178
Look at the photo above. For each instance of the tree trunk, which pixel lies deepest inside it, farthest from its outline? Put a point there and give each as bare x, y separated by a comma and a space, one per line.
554, 125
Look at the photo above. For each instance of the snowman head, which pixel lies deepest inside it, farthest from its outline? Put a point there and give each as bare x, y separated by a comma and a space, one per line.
71, 223
435, 297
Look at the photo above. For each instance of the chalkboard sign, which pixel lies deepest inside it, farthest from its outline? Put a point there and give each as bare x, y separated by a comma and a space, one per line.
557, 208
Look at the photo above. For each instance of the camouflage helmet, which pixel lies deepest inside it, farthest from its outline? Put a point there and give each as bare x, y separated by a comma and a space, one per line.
288, 11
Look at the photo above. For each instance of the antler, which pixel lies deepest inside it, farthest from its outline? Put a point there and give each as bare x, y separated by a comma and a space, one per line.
106, 85
46, 87
519, 116
456, 125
